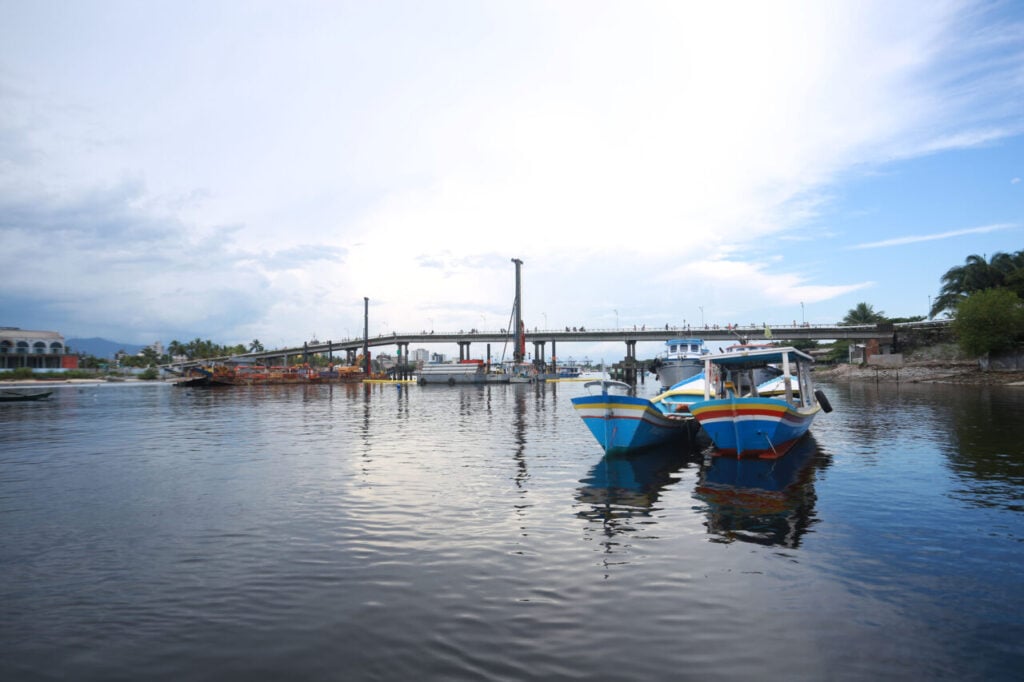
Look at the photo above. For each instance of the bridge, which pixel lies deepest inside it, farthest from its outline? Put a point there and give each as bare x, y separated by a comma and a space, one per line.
540, 338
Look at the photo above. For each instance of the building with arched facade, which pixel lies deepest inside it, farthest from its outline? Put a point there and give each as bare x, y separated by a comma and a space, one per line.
34, 349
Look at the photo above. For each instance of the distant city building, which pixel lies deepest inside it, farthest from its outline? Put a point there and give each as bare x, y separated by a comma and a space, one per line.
34, 349
420, 355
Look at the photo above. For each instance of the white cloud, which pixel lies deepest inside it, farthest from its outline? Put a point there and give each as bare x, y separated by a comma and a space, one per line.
407, 151
913, 239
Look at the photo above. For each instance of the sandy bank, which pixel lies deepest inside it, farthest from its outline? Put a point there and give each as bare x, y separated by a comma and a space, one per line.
21, 383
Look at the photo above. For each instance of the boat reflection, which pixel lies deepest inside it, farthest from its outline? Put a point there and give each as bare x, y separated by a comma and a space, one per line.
767, 502
620, 486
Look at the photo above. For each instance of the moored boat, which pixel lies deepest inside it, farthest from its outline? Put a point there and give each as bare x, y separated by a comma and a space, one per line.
745, 422
9, 396
245, 374
621, 422
681, 359
451, 373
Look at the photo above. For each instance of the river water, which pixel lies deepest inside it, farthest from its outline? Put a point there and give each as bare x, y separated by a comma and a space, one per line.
401, 532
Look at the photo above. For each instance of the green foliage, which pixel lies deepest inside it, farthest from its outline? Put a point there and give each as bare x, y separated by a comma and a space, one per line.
91, 362
840, 351
150, 374
801, 344
989, 321
1003, 270
20, 373
198, 349
912, 318
863, 313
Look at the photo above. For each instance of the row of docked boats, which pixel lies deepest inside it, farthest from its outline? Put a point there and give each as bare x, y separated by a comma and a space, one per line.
258, 375
749, 401
447, 373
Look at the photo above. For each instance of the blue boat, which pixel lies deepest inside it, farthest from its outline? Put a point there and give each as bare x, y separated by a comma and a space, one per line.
745, 422
623, 423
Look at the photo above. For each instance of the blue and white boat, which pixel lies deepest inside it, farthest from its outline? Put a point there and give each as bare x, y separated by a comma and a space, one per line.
622, 423
681, 359
766, 420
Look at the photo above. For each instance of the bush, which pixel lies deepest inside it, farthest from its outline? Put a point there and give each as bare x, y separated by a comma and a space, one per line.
989, 321
18, 374
150, 374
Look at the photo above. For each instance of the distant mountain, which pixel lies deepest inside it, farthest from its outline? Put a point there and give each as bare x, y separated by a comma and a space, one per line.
101, 348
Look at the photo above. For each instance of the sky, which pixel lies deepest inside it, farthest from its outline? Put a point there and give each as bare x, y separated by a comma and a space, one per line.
236, 170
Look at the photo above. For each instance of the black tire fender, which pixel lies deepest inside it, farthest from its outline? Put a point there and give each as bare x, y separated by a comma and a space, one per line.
822, 400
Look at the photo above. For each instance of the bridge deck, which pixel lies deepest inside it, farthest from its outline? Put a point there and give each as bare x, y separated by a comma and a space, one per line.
628, 336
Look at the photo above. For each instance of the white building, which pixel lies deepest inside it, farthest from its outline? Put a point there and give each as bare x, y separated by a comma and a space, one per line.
35, 349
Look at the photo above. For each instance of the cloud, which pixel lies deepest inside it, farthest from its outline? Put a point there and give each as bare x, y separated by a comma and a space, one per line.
215, 177
913, 239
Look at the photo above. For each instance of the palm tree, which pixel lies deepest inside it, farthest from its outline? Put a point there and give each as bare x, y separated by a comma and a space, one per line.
255, 346
1003, 270
175, 348
863, 313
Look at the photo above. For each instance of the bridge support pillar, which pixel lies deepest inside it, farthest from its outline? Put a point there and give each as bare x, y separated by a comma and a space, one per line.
538, 354
463, 350
629, 367
554, 357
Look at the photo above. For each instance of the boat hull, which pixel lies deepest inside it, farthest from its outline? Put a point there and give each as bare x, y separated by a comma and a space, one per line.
14, 396
671, 372
748, 427
626, 423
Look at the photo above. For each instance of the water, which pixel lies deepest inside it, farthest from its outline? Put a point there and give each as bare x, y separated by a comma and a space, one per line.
395, 533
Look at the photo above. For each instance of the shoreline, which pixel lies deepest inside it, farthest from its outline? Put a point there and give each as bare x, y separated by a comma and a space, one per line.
22, 383
924, 373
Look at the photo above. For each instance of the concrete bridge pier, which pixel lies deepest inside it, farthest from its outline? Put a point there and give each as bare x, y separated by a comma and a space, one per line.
463, 350
403, 369
538, 355
629, 366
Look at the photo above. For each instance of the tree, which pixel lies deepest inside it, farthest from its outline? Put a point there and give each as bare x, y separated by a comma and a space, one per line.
863, 313
256, 346
1003, 270
989, 321
175, 348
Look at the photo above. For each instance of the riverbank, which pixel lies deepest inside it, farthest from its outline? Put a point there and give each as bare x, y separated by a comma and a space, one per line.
21, 383
957, 372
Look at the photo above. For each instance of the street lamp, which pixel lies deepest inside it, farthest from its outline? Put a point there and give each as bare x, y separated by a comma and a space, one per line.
701, 315
802, 319
616, 319
545, 320
929, 306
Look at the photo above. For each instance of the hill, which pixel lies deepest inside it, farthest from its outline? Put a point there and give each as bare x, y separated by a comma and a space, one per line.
101, 348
